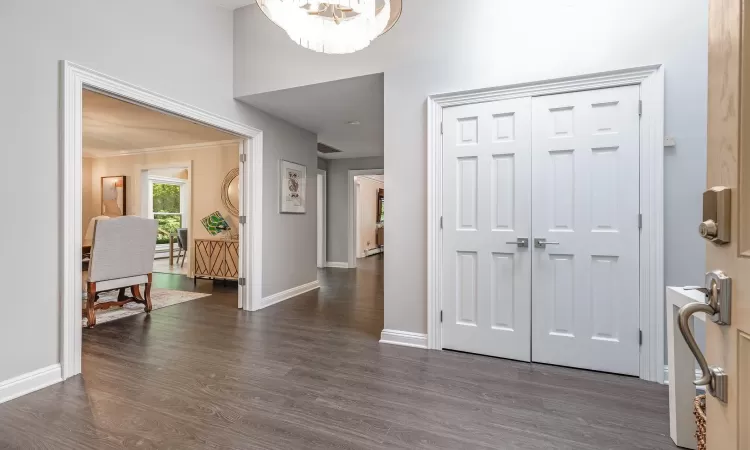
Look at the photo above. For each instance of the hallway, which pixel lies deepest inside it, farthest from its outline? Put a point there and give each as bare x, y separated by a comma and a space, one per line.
309, 373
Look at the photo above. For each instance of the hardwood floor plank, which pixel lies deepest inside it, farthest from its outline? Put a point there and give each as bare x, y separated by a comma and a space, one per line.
309, 373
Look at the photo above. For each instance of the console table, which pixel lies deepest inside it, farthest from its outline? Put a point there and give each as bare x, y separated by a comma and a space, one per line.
216, 258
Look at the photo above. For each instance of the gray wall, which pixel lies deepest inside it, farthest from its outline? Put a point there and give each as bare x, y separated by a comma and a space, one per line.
322, 164
287, 234
338, 203
483, 43
181, 49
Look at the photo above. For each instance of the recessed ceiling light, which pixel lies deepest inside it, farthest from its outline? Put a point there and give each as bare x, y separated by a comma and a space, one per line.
353, 122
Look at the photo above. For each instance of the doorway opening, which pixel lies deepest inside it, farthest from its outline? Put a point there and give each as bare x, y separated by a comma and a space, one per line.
166, 171
369, 215
130, 159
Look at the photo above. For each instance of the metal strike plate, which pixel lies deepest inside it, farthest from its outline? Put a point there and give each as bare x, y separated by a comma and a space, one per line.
721, 301
717, 215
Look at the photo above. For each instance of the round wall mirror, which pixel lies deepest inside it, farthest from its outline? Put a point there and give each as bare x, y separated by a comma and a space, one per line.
230, 192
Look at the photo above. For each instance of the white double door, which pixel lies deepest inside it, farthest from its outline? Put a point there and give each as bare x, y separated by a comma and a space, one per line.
563, 169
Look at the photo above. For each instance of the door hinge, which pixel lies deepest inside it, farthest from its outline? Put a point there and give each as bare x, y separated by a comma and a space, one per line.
241, 281
441, 127
441, 222
243, 157
441, 316
243, 220
640, 337
640, 221
640, 108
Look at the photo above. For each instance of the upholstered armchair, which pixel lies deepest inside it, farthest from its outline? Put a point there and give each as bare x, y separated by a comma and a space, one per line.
122, 256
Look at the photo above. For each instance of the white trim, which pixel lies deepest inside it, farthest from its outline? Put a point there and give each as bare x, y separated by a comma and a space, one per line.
73, 78
403, 338
164, 149
30, 382
352, 237
337, 265
324, 221
289, 293
651, 81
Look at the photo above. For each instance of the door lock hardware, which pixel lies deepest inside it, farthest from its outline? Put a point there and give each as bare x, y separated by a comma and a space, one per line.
718, 291
717, 215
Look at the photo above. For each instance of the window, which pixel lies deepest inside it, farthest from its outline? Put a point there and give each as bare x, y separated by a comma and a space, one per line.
167, 199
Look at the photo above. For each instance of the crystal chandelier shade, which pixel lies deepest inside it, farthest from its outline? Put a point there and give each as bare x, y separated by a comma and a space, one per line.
334, 26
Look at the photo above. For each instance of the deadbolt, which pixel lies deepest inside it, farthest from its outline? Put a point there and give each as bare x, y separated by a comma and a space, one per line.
708, 230
717, 215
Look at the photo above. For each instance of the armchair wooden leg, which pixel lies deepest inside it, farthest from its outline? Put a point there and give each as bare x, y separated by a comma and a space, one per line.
90, 300
145, 299
147, 294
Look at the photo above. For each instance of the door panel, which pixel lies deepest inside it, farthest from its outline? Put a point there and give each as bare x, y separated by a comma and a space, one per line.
585, 202
486, 203
728, 164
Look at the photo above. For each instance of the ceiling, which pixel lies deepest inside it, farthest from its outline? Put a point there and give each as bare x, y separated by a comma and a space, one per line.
231, 4
326, 109
112, 126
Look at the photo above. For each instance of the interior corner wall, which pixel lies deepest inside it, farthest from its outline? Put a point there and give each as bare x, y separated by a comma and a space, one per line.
322, 164
471, 44
338, 204
179, 49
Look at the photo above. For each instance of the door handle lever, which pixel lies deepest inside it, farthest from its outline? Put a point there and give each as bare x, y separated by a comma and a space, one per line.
520, 242
712, 377
718, 305
543, 242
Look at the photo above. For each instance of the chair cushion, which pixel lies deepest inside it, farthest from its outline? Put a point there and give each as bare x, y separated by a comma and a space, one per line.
121, 282
123, 247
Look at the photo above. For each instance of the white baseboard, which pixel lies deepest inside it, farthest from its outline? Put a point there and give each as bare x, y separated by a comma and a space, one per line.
30, 382
405, 338
289, 293
698, 374
337, 265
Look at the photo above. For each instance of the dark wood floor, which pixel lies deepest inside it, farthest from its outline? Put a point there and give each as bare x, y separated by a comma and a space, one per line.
309, 373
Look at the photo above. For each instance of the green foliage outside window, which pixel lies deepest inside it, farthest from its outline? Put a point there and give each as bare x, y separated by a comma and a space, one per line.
166, 200
168, 224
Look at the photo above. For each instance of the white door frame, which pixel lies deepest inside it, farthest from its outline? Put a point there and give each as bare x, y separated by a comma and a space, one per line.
323, 211
74, 79
651, 81
352, 247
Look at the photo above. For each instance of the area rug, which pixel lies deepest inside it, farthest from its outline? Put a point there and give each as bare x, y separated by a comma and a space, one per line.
160, 298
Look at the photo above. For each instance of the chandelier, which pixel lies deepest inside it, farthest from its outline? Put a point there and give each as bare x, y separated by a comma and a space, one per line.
333, 26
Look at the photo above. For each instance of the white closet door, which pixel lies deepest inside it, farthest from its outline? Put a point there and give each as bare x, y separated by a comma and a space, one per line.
586, 201
486, 205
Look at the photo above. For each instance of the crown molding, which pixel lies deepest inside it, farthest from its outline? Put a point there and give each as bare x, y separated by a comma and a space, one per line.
167, 148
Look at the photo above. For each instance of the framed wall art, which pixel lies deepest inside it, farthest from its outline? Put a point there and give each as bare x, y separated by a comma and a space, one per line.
293, 179
113, 196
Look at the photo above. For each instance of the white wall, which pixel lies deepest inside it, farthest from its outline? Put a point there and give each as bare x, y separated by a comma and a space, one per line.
453, 45
338, 203
178, 48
